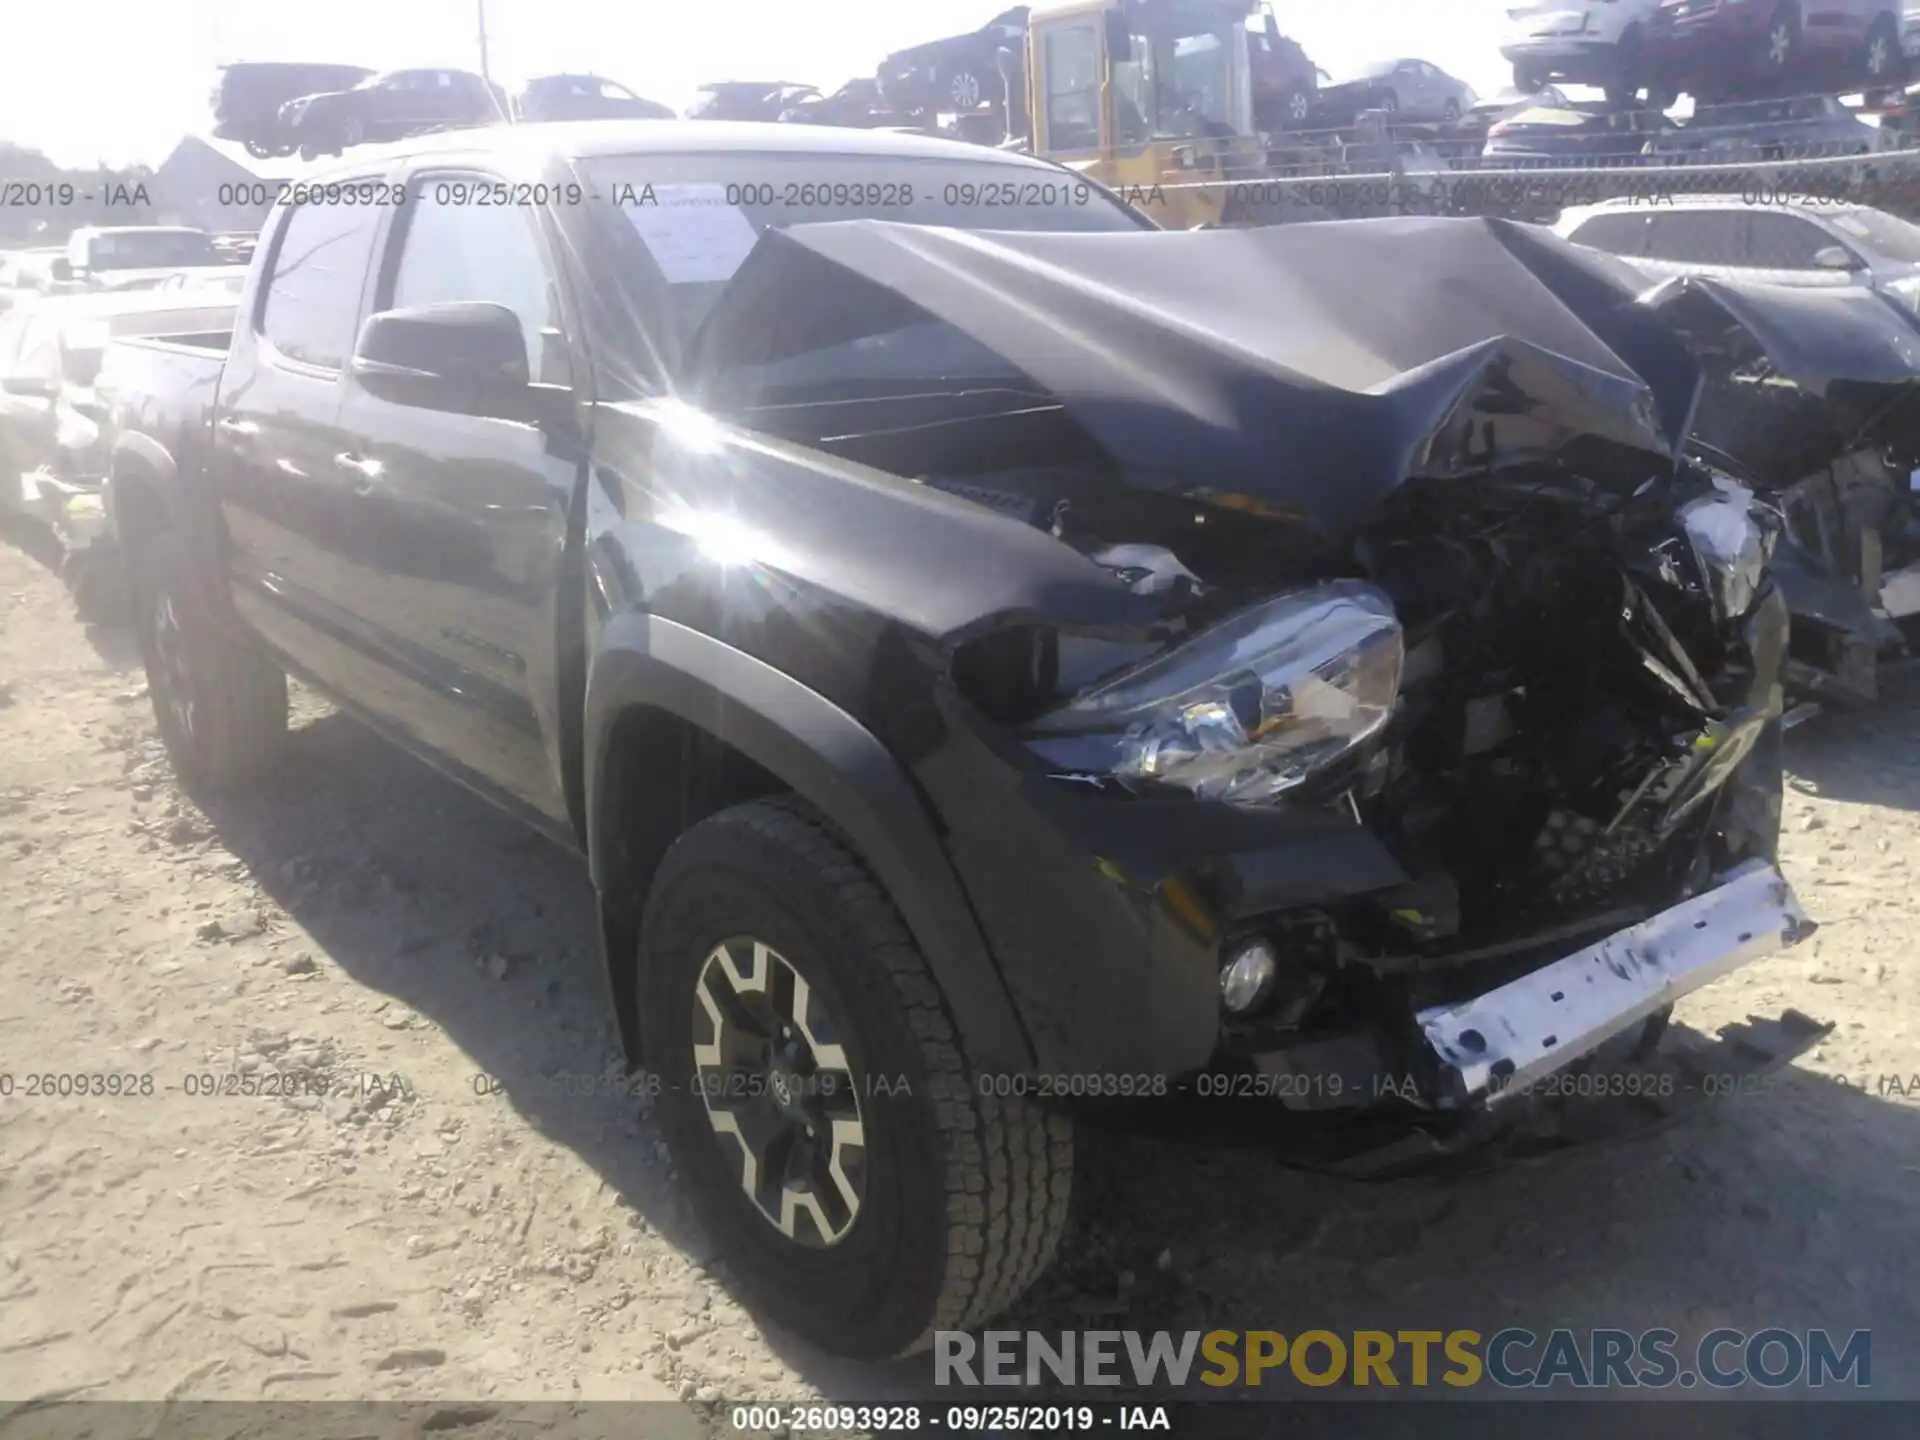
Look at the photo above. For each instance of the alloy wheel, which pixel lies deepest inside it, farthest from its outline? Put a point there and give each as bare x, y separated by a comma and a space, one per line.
780, 1091
964, 90
1299, 106
1779, 44
1879, 56
173, 669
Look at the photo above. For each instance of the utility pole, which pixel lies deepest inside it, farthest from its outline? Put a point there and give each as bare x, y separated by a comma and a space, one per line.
485, 73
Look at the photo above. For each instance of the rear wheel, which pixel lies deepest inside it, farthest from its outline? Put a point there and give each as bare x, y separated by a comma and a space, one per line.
964, 89
865, 1181
220, 703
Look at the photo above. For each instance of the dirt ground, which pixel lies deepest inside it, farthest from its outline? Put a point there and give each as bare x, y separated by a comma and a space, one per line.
425, 1215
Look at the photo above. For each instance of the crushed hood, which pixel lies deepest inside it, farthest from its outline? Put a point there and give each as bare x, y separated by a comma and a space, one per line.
1309, 368
1796, 377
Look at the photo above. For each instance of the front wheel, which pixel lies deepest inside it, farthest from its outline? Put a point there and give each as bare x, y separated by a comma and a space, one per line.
220, 703
867, 1184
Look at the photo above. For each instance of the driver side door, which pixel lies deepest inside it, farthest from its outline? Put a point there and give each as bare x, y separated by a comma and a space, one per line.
460, 592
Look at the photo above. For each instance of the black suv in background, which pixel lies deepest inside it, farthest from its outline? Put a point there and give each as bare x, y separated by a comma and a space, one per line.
390, 106
958, 74
246, 100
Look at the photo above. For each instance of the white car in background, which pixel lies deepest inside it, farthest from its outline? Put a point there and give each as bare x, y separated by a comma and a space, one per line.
1805, 244
1582, 42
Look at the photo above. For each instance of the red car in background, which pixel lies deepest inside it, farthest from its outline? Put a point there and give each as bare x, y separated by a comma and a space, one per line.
1717, 49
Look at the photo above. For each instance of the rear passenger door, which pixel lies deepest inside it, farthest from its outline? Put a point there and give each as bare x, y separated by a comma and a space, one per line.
471, 513
294, 537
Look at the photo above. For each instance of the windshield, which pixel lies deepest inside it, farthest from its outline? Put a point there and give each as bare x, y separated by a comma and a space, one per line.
688, 221
1181, 85
1885, 234
1374, 69
150, 249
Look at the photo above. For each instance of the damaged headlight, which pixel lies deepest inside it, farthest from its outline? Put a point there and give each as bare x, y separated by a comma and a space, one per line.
1249, 708
1732, 544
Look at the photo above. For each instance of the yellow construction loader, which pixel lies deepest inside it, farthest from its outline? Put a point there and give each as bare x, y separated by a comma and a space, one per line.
1154, 98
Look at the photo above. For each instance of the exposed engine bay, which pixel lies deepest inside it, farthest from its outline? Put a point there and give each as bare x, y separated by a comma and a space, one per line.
1583, 672
1422, 555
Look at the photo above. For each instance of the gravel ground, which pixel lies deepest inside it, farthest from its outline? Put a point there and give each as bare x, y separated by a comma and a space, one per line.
421, 1214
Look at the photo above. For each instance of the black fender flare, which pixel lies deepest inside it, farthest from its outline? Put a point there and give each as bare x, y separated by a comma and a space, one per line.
185, 500
830, 760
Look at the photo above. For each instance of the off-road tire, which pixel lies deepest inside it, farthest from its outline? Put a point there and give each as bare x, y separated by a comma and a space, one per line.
239, 695
966, 1191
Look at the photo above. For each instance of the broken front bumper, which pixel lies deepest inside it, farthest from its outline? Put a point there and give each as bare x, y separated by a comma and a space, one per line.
1495, 1046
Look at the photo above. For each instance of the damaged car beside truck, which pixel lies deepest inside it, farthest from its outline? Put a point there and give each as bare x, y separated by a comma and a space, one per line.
989, 669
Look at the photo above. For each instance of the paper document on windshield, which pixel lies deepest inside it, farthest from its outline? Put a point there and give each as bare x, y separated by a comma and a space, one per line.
694, 235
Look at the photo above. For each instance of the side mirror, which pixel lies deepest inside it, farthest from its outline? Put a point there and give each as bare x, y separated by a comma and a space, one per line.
1834, 257
467, 357
61, 269
31, 387
1119, 38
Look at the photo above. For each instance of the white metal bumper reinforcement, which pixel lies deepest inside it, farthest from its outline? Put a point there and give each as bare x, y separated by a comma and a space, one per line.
1497, 1044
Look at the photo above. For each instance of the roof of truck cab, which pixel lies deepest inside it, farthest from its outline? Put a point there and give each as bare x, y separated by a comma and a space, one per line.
593, 139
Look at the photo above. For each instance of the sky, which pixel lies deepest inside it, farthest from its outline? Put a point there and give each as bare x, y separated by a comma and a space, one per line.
120, 81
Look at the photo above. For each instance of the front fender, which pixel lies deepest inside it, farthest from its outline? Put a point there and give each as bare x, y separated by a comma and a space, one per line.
830, 760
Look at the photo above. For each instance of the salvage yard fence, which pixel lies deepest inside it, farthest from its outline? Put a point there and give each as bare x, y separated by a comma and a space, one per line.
1887, 180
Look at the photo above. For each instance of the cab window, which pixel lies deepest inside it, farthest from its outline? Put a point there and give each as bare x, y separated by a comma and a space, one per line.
311, 308
452, 252
1073, 88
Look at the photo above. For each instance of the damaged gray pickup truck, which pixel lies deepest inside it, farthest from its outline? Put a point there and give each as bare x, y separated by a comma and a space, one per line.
994, 658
